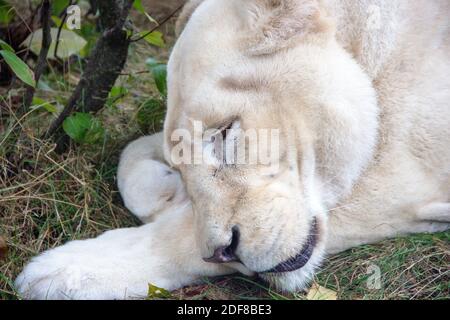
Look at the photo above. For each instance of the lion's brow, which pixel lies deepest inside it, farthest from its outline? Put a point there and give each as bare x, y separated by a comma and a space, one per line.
244, 84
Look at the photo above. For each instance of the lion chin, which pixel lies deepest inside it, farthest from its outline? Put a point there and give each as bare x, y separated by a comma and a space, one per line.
297, 272
293, 281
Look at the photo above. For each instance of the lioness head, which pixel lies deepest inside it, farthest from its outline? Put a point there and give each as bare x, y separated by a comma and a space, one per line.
267, 66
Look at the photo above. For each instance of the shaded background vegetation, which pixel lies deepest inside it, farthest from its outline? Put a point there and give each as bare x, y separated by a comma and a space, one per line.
49, 197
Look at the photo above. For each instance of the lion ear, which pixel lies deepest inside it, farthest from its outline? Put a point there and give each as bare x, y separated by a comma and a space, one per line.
186, 14
274, 25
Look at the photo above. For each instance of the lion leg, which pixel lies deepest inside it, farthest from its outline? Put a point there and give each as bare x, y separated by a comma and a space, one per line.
437, 211
148, 186
348, 229
120, 264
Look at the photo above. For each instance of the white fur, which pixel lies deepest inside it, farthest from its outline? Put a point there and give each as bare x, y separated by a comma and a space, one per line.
365, 128
148, 187
120, 264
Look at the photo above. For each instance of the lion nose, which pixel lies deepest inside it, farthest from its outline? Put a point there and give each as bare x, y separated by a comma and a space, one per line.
226, 253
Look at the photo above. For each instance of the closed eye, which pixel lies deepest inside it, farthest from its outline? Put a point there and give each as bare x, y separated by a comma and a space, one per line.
220, 151
224, 131
225, 143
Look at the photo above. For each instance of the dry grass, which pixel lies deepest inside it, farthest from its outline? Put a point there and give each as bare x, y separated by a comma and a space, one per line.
47, 199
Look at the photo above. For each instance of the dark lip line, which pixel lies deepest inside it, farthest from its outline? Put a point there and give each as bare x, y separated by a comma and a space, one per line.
299, 260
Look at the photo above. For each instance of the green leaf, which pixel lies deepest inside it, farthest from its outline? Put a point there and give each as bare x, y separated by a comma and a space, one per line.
44, 86
116, 94
69, 43
58, 22
41, 103
20, 68
7, 12
159, 73
152, 62
155, 292
160, 76
137, 4
58, 6
6, 46
83, 128
155, 38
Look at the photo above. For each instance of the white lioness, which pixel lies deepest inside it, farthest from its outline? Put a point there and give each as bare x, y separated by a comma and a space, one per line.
360, 92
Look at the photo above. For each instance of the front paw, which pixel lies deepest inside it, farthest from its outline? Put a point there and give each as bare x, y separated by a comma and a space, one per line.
119, 264
77, 270
40, 281
55, 274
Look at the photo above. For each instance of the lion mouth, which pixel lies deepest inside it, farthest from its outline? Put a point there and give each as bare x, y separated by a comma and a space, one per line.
299, 260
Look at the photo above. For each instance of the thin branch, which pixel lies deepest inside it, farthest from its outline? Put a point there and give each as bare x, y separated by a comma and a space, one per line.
134, 73
42, 59
167, 18
105, 62
58, 36
68, 110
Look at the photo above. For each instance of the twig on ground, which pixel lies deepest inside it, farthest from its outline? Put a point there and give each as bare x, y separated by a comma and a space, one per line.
134, 73
42, 59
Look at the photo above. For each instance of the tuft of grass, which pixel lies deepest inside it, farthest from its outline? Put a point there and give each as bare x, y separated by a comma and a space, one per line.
48, 199
414, 267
